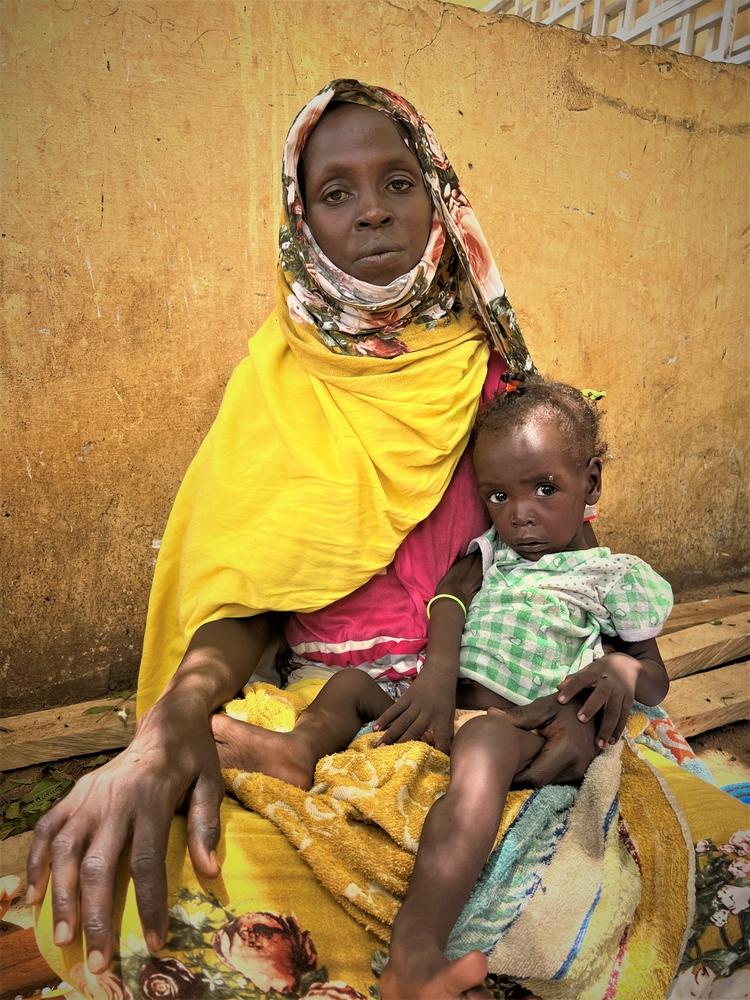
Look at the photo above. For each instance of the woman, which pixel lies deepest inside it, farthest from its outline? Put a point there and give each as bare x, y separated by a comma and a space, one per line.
337, 437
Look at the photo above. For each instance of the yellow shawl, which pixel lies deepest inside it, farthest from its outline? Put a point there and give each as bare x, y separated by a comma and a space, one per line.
298, 497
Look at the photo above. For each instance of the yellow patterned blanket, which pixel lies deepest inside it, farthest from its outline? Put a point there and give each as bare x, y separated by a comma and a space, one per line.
551, 902
597, 856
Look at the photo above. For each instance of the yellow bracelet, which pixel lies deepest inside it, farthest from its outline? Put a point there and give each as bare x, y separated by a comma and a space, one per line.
449, 597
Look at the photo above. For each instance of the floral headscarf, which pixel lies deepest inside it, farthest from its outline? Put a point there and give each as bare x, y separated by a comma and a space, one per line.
456, 270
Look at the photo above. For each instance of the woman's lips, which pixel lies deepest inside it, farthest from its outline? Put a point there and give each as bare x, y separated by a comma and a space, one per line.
380, 252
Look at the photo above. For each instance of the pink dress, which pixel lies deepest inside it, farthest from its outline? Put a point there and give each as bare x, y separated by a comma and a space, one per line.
382, 626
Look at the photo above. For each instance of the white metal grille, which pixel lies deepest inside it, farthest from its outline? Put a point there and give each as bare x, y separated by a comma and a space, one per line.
718, 30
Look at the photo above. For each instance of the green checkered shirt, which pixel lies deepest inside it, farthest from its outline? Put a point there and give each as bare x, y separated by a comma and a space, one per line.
533, 623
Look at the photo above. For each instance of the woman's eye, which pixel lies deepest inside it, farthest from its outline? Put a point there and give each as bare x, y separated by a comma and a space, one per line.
399, 184
496, 497
335, 197
546, 489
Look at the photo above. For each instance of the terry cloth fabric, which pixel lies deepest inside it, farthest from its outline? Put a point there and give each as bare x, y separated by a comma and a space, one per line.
617, 863
341, 429
533, 623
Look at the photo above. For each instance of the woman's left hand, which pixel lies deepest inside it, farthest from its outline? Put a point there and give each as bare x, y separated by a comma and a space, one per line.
611, 680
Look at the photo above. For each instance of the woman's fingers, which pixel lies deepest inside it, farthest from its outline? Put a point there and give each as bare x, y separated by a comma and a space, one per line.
552, 764
66, 850
148, 867
98, 870
40, 852
203, 824
537, 713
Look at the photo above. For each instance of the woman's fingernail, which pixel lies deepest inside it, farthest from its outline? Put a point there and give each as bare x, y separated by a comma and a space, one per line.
602, 744
153, 940
375, 726
582, 717
561, 698
214, 860
30, 895
96, 962
62, 934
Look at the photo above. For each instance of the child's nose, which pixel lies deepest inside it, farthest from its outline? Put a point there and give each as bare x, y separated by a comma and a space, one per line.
521, 515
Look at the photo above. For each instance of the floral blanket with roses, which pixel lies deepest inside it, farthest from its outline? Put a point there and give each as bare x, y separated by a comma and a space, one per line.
269, 928
221, 956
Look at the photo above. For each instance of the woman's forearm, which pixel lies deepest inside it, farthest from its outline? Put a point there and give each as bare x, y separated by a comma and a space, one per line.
220, 658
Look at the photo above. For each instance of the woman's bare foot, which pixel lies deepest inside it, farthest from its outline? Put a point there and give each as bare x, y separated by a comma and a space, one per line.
426, 974
252, 748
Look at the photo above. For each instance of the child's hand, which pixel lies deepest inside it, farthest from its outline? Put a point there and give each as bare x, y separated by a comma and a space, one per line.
425, 711
612, 680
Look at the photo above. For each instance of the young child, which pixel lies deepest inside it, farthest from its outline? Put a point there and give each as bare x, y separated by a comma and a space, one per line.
534, 627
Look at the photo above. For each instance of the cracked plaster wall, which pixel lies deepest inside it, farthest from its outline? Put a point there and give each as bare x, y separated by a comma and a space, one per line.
140, 187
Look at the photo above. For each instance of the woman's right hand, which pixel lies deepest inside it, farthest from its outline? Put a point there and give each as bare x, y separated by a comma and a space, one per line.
126, 807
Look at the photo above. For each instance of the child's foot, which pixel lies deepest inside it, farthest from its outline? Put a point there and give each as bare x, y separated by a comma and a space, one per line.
426, 974
252, 748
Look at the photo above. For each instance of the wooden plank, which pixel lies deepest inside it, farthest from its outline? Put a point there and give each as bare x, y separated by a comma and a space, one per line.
699, 612
22, 968
706, 701
38, 737
705, 646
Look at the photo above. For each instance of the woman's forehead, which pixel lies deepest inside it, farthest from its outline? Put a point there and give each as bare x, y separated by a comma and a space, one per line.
347, 127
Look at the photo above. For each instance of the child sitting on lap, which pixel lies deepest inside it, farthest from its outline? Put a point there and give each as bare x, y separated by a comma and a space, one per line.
534, 627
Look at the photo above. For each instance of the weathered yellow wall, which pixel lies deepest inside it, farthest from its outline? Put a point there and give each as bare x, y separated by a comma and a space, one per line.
141, 145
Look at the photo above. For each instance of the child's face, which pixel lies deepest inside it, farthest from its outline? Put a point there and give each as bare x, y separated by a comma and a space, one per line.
534, 487
365, 201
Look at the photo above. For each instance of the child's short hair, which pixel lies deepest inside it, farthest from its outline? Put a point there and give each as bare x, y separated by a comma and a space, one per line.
525, 395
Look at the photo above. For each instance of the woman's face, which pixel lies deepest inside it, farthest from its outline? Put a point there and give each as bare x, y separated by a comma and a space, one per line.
365, 201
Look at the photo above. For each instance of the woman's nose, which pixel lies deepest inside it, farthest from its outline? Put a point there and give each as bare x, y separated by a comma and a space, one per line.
372, 213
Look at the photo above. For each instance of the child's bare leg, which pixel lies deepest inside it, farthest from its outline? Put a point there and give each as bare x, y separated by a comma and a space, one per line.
346, 702
457, 838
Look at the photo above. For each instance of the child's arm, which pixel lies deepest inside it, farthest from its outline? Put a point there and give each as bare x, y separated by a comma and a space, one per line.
428, 707
634, 672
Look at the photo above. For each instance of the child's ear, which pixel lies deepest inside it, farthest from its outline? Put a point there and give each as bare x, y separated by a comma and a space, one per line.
594, 476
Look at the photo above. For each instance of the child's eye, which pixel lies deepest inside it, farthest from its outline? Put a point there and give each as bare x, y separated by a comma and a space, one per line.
546, 489
496, 497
